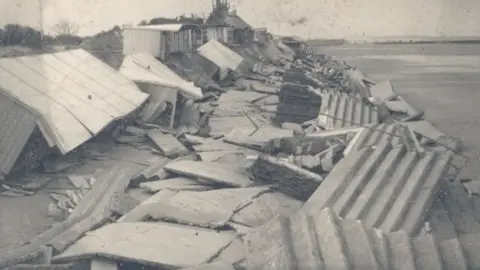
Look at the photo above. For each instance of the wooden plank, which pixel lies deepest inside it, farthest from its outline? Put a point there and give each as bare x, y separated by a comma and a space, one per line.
168, 144
34, 250
169, 245
256, 138
290, 179
116, 181
220, 173
201, 144
176, 184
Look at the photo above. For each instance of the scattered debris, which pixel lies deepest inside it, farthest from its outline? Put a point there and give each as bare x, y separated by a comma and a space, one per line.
279, 145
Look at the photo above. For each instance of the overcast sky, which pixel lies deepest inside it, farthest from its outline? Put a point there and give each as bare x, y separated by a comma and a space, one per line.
325, 18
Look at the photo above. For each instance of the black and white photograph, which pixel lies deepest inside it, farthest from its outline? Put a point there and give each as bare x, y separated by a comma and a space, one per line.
240, 134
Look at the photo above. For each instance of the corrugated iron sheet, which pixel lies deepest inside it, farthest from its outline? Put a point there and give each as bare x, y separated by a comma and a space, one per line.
221, 55
144, 40
388, 187
373, 134
16, 126
65, 89
144, 68
324, 241
340, 110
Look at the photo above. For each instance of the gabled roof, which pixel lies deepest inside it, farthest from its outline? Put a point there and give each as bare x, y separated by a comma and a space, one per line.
74, 94
143, 67
163, 27
221, 55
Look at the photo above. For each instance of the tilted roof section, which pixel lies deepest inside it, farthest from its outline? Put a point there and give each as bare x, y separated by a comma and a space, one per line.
74, 94
387, 187
221, 55
144, 68
174, 27
325, 241
340, 110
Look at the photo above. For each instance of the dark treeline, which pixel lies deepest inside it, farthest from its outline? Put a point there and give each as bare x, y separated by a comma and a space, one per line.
15, 34
193, 19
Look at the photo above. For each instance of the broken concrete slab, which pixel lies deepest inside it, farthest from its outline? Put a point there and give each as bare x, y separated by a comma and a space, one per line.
141, 211
218, 173
207, 209
265, 207
236, 103
155, 244
167, 144
426, 129
256, 138
201, 144
153, 172
289, 178
225, 156
234, 254
217, 208
175, 184
383, 91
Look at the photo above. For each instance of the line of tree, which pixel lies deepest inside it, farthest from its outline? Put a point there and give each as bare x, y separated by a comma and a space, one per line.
192, 19
15, 34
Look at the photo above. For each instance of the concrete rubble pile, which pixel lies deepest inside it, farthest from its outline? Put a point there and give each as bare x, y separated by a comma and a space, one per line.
303, 165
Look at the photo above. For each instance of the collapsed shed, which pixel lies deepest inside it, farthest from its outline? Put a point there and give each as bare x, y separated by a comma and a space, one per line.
162, 84
195, 68
64, 89
225, 59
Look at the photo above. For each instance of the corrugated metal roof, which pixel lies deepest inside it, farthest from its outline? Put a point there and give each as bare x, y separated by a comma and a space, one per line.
324, 241
16, 126
373, 134
162, 27
221, 55
65, 89
388, 187
339, 110
144, 68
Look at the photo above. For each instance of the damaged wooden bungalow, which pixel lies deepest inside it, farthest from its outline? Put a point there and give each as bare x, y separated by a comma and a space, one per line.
176, 45
161, 83
53, 103
162, 40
